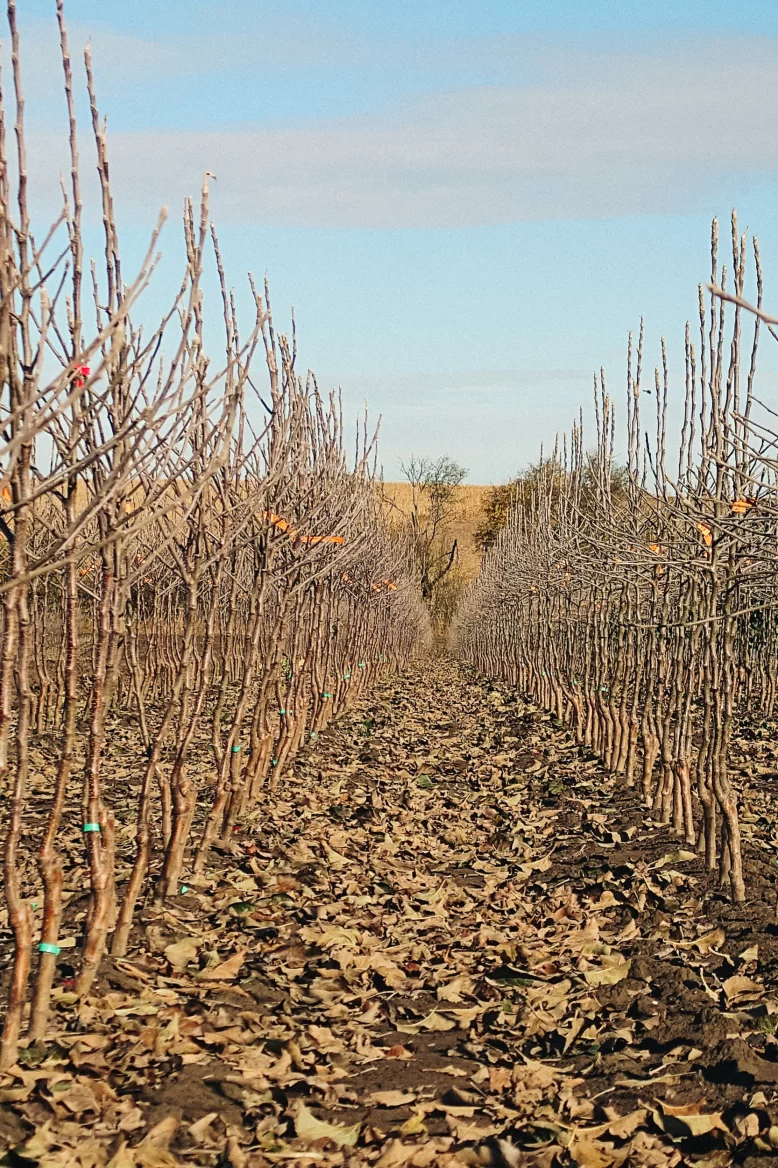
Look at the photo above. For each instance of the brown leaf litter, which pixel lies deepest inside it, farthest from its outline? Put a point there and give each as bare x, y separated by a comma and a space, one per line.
448, 939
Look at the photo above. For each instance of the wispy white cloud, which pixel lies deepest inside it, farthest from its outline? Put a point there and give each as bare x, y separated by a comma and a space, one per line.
591, 137
207, 46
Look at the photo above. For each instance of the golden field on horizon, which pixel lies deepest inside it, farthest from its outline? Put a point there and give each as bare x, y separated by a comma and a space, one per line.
468, 501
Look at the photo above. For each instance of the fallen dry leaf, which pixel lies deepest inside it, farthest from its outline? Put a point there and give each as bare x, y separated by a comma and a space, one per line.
687, 1120
182, 952
738, 988
609, 975
308, 1127
227, 969
391, 1098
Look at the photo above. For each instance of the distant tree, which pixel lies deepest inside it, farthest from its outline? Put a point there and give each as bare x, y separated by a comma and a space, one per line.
433, 504
498, 501
494, 512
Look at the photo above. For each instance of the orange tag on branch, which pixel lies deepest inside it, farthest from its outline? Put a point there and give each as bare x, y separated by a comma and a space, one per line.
320, 538
284, 525
276, 520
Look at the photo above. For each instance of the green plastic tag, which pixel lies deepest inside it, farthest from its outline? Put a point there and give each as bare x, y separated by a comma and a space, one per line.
47, 947
92, 827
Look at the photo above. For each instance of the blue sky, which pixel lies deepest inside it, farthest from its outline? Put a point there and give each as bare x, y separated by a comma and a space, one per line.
469, 204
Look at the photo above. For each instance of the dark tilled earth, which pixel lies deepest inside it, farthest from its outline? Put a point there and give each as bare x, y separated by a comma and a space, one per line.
447, 939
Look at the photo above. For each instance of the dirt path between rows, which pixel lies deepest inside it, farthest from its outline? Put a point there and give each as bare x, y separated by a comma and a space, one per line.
447, 939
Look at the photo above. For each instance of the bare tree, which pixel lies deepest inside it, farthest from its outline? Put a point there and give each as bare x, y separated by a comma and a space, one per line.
433, 505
